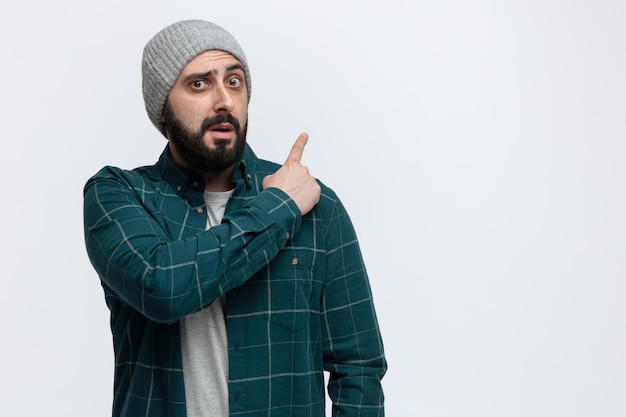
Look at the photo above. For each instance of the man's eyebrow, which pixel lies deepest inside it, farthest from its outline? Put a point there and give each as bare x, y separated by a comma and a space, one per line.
233, 67
197, 76
200, 75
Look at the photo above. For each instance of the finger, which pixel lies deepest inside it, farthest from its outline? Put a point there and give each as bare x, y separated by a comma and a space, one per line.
298, 148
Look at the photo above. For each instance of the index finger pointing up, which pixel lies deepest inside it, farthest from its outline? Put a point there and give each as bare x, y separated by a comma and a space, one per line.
298, 148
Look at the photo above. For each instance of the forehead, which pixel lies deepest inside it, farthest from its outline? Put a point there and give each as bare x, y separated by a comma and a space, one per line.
212, 60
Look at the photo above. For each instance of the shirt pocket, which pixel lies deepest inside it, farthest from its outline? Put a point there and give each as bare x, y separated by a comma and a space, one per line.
287, 300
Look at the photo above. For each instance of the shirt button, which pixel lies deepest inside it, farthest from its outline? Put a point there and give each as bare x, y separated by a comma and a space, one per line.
199, 210
179, 188
196, 184
294, 261
249, 177
287, 235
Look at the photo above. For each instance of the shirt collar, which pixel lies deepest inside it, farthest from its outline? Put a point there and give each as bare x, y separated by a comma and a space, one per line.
182, 179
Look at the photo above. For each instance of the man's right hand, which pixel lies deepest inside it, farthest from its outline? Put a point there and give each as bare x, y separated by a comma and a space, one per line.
294, 178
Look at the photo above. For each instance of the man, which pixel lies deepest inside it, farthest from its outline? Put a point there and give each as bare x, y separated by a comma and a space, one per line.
233, 283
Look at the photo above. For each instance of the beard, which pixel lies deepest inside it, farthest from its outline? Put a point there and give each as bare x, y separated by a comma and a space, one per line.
194, 151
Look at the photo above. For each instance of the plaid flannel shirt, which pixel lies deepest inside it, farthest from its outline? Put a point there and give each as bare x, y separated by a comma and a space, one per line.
298, 300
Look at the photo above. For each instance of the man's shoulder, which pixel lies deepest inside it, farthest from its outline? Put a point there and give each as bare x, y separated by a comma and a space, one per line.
132, 177
110, 171
265, 167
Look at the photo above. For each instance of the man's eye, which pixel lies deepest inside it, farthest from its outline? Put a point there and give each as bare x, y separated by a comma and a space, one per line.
198, 84
234, 82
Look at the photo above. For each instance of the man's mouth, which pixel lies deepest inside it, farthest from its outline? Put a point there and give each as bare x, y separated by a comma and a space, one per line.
222, 127
222, 130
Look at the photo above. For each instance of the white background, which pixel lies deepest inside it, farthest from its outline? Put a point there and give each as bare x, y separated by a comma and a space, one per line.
478, 145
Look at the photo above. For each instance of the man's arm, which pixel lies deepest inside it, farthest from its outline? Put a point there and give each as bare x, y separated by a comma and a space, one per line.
166, 278
353, 348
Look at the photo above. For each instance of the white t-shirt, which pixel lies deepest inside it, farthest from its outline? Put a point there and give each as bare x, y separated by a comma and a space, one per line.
205, 342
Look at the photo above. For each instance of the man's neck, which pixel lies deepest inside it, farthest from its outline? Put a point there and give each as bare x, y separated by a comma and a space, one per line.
219, 181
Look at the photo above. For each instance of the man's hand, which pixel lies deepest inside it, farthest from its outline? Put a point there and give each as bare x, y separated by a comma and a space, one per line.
294, 178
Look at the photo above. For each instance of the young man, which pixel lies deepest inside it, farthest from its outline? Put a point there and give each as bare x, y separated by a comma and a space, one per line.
233, 282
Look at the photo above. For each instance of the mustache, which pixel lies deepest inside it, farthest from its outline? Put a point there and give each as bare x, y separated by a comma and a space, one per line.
209, 122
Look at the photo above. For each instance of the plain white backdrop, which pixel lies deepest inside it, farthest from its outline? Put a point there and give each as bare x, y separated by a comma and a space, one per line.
478, 145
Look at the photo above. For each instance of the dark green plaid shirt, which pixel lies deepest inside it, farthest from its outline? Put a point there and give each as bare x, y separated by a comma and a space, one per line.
298, 300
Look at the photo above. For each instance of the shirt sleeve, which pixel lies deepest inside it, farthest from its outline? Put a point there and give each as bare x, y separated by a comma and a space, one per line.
164, 278
353, 348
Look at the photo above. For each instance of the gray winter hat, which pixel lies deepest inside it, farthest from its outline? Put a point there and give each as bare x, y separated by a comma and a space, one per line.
165, 55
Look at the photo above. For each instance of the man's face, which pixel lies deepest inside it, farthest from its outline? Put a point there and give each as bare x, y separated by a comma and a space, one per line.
206, 113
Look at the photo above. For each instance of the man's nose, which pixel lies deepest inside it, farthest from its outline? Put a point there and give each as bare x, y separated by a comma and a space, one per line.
223, 100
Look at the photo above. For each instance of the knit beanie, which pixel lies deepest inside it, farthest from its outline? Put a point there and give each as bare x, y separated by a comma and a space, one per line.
165, 55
